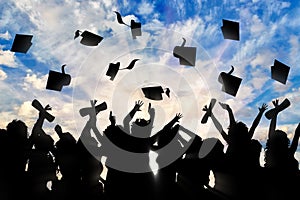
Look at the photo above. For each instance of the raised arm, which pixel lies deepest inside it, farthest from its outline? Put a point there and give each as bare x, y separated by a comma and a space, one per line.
131, 114
225, 106
257, 119
273, 122
163, 136
295, 140
38, 126
217, 124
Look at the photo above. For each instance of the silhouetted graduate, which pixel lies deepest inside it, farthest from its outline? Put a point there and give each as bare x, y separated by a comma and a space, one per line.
114, 68
155, 92
186, 55
135, 26
88, 38
230, 30
21, 43
56, 80
280, 72
230, 83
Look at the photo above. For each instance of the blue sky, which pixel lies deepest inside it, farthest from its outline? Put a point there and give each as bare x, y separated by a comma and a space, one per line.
268, 30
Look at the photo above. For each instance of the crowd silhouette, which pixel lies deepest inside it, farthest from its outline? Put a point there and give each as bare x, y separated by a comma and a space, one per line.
30, 163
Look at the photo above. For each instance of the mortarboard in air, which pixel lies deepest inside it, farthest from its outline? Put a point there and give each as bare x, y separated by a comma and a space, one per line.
135, 26
114, 68
155, 92
186, 55
230, 83
280, 72
56, 80
88, 38
21, 43
87, 111
135, 29
230, 30
37, 105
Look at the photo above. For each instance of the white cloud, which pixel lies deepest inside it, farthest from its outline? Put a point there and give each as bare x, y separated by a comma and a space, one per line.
5, 35
257, 26
145, 8
32, 81
263, 58
7, 58
26, 109
3, 75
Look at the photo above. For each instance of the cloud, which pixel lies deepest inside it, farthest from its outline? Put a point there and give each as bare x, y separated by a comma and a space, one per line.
32, 81
8, 59
145, 8
3, 75
257, 26
5, 35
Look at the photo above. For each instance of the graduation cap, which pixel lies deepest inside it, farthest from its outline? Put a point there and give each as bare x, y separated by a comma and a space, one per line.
155, 92
230, 30
88, 38
272, 112
56, 80
280, 71
21, 43
210, 107
87, 111
114, 68
37, 105
135, 29
230, 83
135, 26
186, 55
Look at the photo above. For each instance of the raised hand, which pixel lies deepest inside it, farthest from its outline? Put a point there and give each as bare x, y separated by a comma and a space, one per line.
112, 119
263, 108
276, 103
178, 116
207, 110
138, 105
224, 106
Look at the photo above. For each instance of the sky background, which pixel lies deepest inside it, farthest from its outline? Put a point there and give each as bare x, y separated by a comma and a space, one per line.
269, 30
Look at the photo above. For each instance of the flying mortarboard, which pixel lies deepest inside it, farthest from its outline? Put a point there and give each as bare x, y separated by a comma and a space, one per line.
88, 38
114, 68
56, 80
135, 26
280, 71
230, 83
135, 29
21, 43
155, 92
230, 30
186, 55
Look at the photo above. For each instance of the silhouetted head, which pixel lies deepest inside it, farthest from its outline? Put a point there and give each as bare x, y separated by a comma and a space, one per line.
141, 128
17, 130
142, 122
238, 131
44, 142
66, 143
